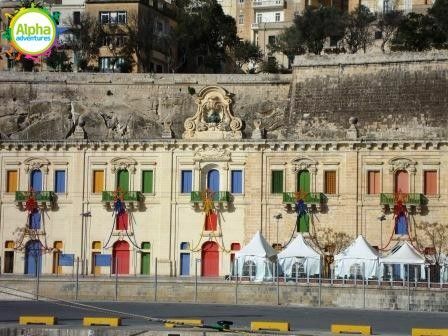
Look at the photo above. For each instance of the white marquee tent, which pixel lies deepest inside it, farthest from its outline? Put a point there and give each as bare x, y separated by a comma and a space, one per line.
401, 255
298, 252
358, 256
256, 259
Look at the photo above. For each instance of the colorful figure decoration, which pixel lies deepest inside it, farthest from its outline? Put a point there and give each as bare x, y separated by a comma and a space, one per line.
31, 204
119, 206
207, 201
400, 214
302, 212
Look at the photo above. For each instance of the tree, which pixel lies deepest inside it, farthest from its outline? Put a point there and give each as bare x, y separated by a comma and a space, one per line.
388, 24
59, 61
290, 43
358, 33
85, 39
205, 36
439, 12
315, 25
246, 52
415, 33
270, 65
435, 237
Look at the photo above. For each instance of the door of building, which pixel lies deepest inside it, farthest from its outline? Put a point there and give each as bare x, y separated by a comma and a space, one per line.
213, 180
185, 264
120, 257
210, 259
9, 262
33, 257
303, 181
123, 180
145, 263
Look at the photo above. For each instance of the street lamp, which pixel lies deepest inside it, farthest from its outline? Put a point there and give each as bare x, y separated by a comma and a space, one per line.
278, 217
381, 219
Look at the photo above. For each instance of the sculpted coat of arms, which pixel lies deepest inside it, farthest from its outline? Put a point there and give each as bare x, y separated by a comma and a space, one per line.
213, 118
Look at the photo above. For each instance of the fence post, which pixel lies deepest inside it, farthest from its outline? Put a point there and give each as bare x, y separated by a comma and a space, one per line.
429, 277
77, 279
278, 282
196, 280
155, 281
320, 282
364, 284
116, 278
37, 275
236, 282
409, 290
331, 274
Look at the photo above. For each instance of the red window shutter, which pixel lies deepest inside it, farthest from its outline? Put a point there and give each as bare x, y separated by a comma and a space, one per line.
373, 184
430, 182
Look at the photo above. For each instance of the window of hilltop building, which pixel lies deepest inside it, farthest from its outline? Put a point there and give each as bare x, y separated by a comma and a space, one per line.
430, 182
271, 39
236, 177
186, 183
259, 17
277, 181
330, 182
59, 181
122, 17
11, 181
241, 19
76, 18
241, 1
147, 181
373, 182
277, 17
113, 17
110, 64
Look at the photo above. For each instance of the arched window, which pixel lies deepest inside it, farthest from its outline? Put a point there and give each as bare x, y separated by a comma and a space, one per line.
298, 270
401, 181
213, 180
355, 271
249, 268
123, 180
303, 181
36, 180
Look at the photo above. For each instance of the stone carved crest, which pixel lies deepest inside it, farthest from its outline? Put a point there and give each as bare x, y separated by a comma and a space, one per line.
36, 164
123, 163
401, 163
212, 154
213, 118
303, 164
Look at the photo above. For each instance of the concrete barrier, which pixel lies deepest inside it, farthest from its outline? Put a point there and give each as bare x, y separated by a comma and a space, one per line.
351, 329
429, 332
171, 323
269, 325
101, 321
47, 320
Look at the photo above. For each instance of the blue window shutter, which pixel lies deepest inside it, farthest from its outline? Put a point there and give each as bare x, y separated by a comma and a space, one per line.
213, 180
237, 182
59, 181
187, 181
36, 180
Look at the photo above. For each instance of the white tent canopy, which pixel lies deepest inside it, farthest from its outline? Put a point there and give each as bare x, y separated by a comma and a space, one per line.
258, 254
358, 256
298, 251
404, 254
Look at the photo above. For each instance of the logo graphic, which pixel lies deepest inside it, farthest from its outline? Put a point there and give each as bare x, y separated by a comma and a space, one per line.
32, 31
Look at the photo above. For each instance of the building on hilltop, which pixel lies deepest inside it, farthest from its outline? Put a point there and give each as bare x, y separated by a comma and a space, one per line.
123, 170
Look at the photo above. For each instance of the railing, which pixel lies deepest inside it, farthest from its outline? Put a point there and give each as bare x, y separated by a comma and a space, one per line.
268, 3
39, 196
310, 198
220, 196
410, 199
128, 196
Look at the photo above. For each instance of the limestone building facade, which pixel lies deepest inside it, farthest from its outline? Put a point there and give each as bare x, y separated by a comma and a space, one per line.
123, 170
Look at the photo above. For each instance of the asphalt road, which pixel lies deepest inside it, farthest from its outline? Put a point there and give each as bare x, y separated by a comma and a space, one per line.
301, 319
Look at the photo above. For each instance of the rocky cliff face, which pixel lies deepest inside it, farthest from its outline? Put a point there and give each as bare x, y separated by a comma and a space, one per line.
398, 96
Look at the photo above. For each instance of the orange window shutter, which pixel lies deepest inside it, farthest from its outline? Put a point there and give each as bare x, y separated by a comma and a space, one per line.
98, 181
11, 183
430, 187
330, 182
373, 182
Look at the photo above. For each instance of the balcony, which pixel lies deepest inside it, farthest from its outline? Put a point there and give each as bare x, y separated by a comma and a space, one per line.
39, 196
268, 4
310, 198
219, 197
279, 25
128, 196
409, 199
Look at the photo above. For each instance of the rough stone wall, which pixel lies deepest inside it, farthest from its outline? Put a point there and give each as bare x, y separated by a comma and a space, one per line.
397, 96
128, 106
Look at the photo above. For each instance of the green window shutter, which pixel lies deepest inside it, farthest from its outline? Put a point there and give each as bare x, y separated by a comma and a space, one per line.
303, 181
146, 245
147, 181
277, 182
123, 180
